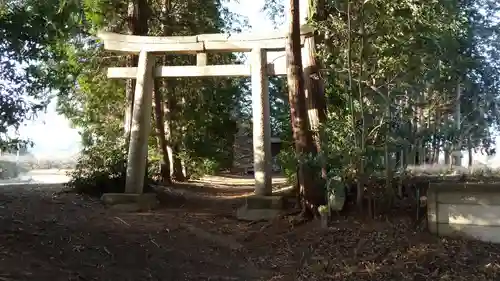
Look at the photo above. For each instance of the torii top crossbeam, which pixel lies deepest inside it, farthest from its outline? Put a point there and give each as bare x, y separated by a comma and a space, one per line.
274, 41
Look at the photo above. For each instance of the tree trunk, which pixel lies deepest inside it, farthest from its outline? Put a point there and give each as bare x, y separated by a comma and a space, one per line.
361, 170
170, 106
160, 128
301, 133
469, 148
172, 149
314, 87
457, 151
354, 162
137, 23
387, 155
436, 140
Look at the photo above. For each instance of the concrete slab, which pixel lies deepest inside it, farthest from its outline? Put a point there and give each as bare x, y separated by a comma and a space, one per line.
130, 202
265, 202
246, 214
118, 198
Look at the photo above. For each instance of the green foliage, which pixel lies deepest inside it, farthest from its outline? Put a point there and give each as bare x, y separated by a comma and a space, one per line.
391, 70
204, 166
31, 59
201, 112
101, 168
288, 163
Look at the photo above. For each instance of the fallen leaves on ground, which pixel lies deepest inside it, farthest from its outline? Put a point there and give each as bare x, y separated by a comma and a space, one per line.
68, 237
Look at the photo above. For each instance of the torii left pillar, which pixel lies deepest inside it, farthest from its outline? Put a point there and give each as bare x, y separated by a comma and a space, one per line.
261, 123
141, 125
133, 199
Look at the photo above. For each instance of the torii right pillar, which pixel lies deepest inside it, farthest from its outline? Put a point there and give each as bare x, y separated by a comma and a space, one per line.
261, 123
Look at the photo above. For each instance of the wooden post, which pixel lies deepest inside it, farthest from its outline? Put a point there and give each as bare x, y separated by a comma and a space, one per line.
261, 123
141, 125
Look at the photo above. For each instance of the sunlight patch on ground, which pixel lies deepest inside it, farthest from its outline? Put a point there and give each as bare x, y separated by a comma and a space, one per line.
46, 176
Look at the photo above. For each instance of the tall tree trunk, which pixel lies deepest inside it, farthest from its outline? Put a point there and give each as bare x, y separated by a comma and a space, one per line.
159, 102
160, 129
387, 155
457, 150
435, 139
469, 149
176, 169
137, 22
170, 105
350, 84
301, 133
421, 128
412, 155
362, 170
314, 87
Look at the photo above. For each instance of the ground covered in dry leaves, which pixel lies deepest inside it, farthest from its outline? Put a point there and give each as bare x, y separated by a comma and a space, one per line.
46, 235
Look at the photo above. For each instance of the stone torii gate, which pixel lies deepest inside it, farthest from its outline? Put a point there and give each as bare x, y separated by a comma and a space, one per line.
267, 58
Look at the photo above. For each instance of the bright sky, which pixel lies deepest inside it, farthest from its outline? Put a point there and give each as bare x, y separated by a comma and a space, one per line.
53, 136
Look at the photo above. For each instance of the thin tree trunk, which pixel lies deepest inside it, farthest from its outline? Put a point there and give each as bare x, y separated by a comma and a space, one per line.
301, 133
176, 170
457, 151
469, 148
435, 140
130, 85
350, 84
160, 128
421, 128
387, 156
170, 106
413, 132
361, 170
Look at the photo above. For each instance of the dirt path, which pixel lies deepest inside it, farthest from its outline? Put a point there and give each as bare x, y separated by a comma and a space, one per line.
45, 235
67, 237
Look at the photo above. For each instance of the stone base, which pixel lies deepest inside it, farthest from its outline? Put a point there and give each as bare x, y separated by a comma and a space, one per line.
265, 202
260, 208
127, 202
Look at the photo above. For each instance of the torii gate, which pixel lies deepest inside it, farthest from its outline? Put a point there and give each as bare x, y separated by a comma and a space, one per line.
260, 68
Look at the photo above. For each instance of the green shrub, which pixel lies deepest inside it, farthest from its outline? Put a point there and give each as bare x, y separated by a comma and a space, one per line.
288, 163
100, 169
198, 167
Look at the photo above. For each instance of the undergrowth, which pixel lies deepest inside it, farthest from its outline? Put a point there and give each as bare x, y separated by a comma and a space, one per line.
101, 168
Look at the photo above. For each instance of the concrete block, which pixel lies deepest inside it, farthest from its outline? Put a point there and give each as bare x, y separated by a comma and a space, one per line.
131, 202
265, 202
119, 198
246, 214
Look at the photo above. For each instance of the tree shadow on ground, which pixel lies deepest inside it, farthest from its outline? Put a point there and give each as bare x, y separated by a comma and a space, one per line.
50, 236
46, 234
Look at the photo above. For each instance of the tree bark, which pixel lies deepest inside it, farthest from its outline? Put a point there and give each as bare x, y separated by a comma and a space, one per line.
170, 105
176, 167
159, 102
361, 165
137, 23
457, 149
469, 149
314, 87
160, 129
301, 133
